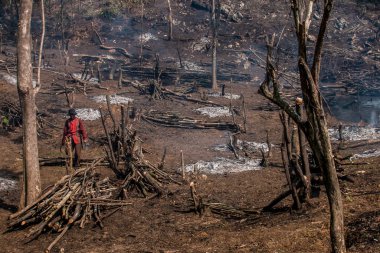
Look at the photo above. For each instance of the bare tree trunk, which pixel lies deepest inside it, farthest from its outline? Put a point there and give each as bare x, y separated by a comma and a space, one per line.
170, 20
215, 14
1, 42
27, 93
41, 42
315, 126
141, 36
302, 144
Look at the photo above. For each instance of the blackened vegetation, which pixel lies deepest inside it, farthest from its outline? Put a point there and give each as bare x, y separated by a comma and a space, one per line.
364, 229
11, 117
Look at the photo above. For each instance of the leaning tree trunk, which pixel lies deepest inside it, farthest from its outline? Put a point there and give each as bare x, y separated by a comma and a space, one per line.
315, 127
27, 93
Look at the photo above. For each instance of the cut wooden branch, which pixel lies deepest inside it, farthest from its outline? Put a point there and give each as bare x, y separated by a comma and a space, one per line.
232, 145
183, 166
277, 200
244, 112
198, 202
269, 145
113, 163
264, 160
109, 108
292, 187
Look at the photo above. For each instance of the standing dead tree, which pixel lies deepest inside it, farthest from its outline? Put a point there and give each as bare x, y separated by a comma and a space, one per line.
215, 16
170, 21
27, 94
315, 124
41, 42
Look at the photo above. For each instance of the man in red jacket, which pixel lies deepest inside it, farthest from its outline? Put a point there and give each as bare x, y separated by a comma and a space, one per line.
73, 134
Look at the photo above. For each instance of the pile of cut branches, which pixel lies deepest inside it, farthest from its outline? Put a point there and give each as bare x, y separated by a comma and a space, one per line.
75, 199
154, 88
170, 119
126, 159
8, 65
199, 206
11, 114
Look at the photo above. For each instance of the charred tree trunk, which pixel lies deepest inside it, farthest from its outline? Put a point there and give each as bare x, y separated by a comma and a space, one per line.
31, 171
315, 126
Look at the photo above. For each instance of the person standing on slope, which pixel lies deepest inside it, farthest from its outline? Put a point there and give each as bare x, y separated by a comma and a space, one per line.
73, 135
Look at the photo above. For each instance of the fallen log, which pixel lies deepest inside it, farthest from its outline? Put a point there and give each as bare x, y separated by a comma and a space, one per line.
60, 161
199, 206
118, 49
172, 120
87, 83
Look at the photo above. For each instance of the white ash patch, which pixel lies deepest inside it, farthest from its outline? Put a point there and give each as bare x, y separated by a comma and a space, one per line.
146, 37
366, 154
88, 114
7, 184
243, 59
375, 103
244, 145
224, 165
12, 79
91, 80
191, 66
226, 95
214, 112
114, 99
202, 45
355, 133
176, 22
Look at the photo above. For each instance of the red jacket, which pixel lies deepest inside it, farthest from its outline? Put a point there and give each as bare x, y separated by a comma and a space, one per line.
74, 128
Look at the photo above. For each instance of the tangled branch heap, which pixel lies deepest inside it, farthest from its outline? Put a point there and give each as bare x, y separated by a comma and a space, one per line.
125, 155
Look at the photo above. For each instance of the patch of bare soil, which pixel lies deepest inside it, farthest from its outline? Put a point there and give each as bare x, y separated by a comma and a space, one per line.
164, 224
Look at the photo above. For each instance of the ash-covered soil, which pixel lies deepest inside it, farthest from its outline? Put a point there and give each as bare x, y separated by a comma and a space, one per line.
349, 80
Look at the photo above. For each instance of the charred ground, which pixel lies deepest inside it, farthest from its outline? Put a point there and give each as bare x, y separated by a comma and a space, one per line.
160, 225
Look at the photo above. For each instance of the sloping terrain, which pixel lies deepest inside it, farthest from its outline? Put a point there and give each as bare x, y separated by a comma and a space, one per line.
96, 33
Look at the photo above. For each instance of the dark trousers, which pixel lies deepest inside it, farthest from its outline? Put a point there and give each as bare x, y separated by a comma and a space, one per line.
76, 150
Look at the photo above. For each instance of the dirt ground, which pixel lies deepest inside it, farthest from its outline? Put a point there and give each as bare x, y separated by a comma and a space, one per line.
161, 224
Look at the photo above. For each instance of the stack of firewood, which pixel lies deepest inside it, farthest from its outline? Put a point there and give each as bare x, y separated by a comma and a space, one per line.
76, 199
